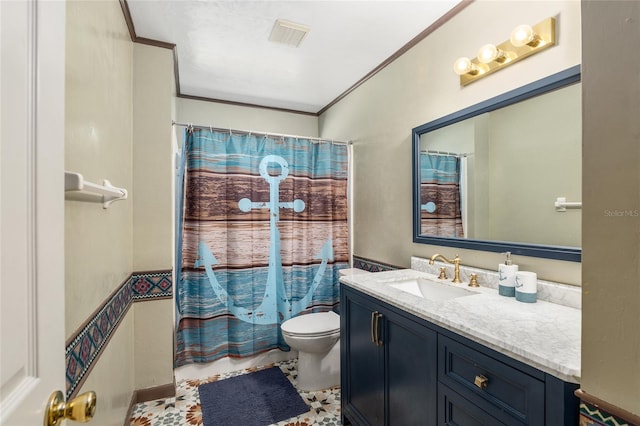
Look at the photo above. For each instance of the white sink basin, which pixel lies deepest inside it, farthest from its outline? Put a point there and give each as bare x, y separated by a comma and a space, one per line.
431, 290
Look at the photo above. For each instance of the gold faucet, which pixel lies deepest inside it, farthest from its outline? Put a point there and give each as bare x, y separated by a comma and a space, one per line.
455, 262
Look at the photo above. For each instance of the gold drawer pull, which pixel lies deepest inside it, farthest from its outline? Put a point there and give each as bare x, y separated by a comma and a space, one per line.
378, 339
373, 327
481, 381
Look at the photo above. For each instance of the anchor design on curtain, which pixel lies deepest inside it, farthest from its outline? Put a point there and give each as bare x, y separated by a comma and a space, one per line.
275, 306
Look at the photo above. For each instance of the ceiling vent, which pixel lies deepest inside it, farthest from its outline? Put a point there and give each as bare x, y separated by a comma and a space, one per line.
288, 33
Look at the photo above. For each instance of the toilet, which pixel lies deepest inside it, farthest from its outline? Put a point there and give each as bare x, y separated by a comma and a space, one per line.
316, 337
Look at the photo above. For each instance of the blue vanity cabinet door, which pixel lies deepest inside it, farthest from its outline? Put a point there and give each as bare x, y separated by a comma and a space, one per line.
388, 364
361, 362
411, 375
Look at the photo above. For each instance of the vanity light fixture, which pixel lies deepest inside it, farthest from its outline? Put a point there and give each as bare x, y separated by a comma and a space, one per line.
524, 34
489, 53
464, 66
524, 41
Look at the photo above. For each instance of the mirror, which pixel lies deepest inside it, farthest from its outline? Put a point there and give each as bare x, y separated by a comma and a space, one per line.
488, 177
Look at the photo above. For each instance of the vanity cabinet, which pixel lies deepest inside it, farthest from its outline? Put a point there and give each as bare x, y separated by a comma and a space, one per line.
388, 365
500, 390
398, 369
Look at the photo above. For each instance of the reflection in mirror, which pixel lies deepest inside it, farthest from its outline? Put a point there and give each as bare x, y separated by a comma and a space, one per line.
488, 177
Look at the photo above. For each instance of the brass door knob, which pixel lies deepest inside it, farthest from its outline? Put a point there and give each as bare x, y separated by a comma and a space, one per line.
481, 381
80, 409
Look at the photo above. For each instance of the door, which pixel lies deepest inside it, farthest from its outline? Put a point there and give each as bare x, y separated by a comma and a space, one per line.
31, 208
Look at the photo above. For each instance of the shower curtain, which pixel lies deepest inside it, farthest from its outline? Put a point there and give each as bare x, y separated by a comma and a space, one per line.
262, 233
440, 213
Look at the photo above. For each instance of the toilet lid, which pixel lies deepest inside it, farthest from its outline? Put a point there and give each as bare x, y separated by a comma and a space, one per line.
312, 324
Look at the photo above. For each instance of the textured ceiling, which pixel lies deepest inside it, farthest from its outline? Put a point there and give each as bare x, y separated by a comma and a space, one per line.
224, 53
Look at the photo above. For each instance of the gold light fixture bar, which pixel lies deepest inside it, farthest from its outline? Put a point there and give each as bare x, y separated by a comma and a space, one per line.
544, 37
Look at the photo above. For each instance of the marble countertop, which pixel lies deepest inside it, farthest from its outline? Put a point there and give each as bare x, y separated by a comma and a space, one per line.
543, 335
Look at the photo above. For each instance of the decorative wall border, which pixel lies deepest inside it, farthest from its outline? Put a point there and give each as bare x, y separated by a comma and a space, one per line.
87, 343
596, 412
594, 416
151, 285
371, 265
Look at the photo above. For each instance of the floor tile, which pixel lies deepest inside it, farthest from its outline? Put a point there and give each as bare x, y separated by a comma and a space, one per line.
184, 408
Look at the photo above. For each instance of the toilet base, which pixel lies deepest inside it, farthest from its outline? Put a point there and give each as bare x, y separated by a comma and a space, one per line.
319, 370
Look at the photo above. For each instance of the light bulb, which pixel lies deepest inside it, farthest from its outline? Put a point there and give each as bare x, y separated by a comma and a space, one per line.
463, 66
489, 53
521, 35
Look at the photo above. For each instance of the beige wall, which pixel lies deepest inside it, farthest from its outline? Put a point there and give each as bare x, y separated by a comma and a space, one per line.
98, 242
611, 181
152, 158
153, 208
119, 112
244, 118
419, 87
99, 93
153, 346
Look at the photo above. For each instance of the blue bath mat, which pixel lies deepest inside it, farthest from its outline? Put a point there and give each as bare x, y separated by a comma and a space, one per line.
255, 399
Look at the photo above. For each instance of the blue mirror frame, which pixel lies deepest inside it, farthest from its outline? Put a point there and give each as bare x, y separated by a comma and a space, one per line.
547, 84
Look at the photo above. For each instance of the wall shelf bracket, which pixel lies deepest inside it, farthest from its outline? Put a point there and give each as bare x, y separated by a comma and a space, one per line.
74, 182
562, 204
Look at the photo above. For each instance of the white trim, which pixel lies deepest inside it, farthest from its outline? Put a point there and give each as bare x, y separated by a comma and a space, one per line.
31, 132
350, 194
17, 395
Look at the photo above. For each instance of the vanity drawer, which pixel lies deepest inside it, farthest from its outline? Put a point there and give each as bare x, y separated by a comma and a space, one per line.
510, 395
454, 410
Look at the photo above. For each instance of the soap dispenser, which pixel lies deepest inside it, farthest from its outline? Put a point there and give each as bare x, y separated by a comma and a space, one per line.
507, 277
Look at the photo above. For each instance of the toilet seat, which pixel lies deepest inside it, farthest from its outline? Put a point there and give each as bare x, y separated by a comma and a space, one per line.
312, 325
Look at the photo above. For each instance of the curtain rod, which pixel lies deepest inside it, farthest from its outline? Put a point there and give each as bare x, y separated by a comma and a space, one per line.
455, 154
250, 132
